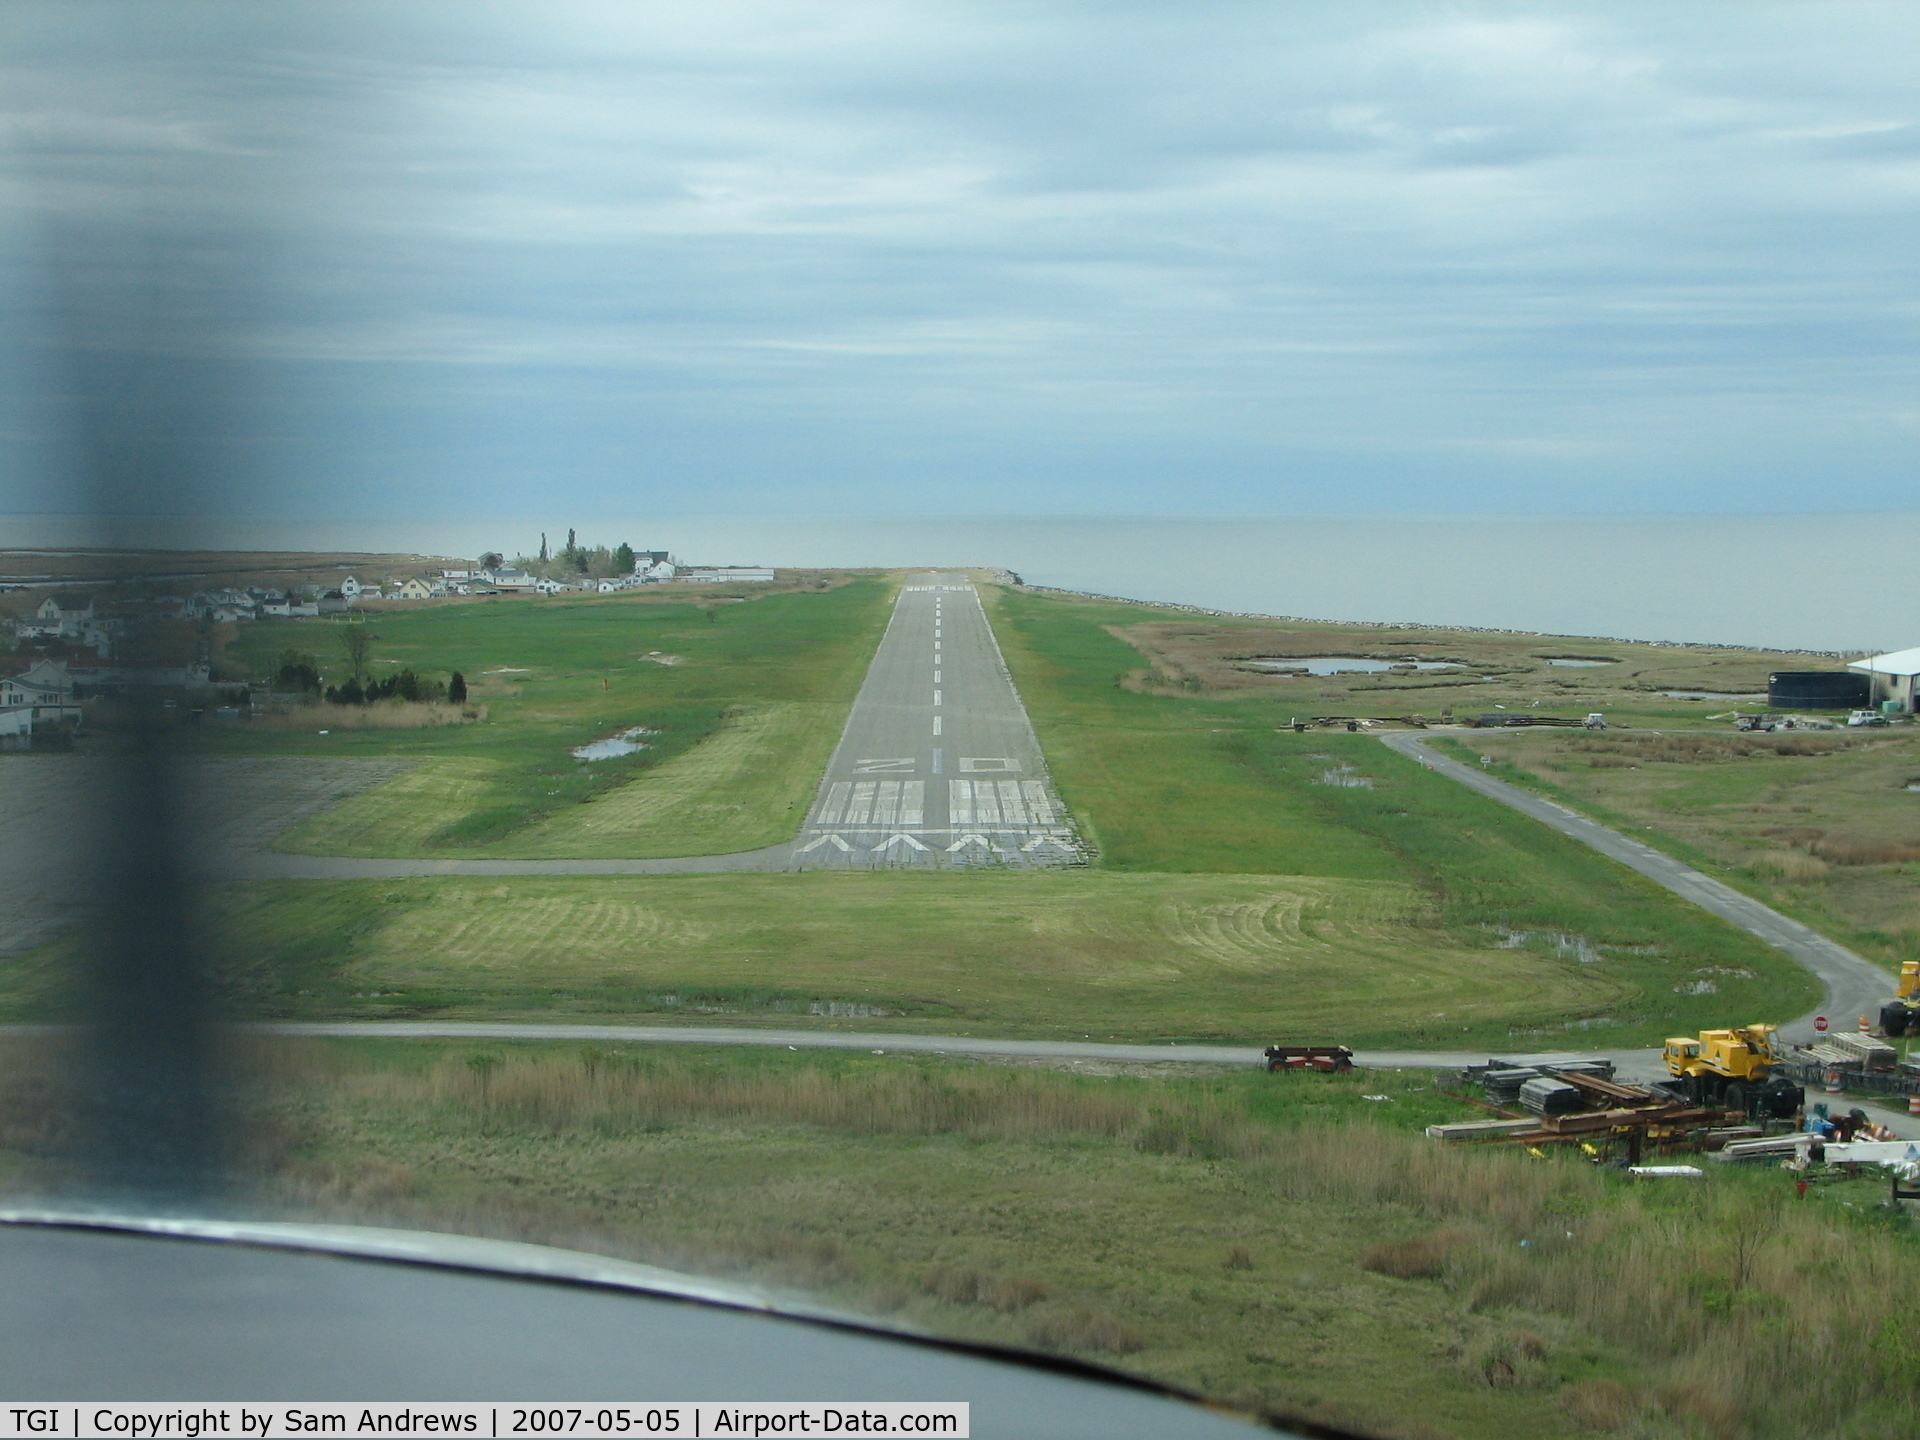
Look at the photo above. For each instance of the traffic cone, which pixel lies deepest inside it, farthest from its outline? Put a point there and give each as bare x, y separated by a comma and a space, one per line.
1865, 1027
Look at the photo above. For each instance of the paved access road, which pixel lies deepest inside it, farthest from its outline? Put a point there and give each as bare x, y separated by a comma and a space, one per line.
1855, 985
938, 765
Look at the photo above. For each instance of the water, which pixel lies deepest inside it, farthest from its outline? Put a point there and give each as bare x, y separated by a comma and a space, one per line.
613, 747
1342, 665
1580, 664
1781, 581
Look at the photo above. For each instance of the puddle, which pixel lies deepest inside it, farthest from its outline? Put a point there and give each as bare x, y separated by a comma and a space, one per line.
510, 670
1321, 665
1707, 695
1561, 943
614, 746
1342, 777
1696, 987
1571, 664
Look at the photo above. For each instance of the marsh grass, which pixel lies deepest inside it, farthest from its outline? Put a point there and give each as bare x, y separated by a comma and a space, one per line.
1486, 1291
1716, 1291
1819, 825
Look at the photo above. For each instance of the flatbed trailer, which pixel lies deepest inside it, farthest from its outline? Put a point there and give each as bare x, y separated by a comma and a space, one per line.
1334, 1059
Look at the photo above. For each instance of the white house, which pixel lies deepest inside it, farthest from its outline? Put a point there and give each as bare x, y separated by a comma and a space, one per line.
43, 693
1892, 676
63, 609
509, 579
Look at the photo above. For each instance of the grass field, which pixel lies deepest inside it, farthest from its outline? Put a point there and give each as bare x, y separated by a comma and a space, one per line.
1242, 958
1281, 1244
1240, 895
1820, 825
1206, 783
745, 716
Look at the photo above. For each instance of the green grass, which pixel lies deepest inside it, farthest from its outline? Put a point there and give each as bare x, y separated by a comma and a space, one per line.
1172, 783
746, 722
1277, 1243
1244, 959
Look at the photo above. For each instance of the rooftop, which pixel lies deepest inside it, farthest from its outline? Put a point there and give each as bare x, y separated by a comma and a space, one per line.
1898, 662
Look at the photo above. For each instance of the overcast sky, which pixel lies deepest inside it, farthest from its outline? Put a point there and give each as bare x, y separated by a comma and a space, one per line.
913, 258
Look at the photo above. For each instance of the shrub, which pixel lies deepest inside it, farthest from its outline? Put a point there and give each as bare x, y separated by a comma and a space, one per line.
1422, 1258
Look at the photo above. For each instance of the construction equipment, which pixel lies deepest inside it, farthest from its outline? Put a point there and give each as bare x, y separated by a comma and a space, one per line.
1901, 1015
1732, 1069
1336, 1059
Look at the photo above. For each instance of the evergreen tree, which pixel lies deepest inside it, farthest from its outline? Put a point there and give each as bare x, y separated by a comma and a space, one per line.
457, 689
543, 547
623, 559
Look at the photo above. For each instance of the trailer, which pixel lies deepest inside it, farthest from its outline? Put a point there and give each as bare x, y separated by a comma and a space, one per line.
1332, 1059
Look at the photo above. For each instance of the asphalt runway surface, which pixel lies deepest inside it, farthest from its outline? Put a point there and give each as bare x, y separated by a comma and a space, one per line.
938, 765
1855, 985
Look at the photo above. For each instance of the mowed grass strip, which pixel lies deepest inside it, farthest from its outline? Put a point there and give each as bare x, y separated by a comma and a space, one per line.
743, 722
1244, 959
1176, 783
747, 784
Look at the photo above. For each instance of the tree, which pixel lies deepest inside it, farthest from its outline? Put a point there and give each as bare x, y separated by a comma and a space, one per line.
492, 560
347, 694
359, 647
543, 547
457, 689
623, 559
296, 671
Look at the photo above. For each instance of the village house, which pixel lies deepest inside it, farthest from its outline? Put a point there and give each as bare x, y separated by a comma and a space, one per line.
65, 610
417, 589
43, 695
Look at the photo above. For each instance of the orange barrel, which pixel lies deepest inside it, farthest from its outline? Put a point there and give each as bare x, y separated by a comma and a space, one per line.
1865, 1028
1833, 1086
1913, 1105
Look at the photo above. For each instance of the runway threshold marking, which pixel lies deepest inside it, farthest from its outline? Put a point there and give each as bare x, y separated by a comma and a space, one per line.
833, 840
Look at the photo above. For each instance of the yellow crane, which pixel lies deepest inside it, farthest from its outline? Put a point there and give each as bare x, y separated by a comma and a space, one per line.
1733, 1069
1901, 1015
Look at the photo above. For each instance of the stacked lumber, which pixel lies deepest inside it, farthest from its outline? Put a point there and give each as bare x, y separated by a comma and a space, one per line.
1481, 1129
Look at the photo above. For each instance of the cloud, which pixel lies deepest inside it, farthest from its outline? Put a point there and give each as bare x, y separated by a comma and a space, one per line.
1574, 254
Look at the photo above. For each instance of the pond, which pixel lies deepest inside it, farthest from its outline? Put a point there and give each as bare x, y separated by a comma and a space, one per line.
1569, 663
1708, 695
1344, 665
614, 746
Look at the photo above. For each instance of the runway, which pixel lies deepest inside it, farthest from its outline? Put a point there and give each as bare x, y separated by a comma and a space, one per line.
938, 765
